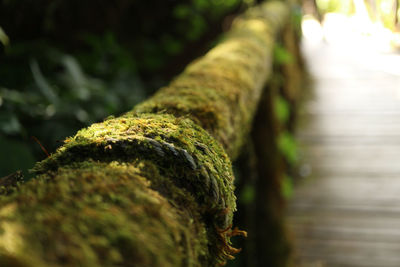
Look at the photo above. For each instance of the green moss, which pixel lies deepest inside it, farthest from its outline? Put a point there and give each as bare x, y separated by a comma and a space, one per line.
92, 214
181, 160
153, 187
220, 90
184, 152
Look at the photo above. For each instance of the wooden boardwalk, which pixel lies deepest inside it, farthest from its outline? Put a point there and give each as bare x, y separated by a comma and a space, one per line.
346, 212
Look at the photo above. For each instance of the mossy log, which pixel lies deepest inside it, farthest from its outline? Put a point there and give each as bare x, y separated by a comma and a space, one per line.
153, 187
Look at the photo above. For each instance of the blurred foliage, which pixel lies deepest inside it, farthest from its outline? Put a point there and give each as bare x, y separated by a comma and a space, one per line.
71, 63
287, 186
296, 19
14, 155
340, 6
4, 40
283, 113
281, 109
247, 195
288, 147
385, 11
282, 55
44, 92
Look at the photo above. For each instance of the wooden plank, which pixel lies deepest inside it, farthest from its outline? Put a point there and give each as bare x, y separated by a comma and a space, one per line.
352, 188
352, 125
350, 253
347, 211
351, 220
311, 139
349, 165
342, 232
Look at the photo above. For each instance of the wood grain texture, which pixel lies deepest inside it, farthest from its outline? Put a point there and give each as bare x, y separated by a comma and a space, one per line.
346, 212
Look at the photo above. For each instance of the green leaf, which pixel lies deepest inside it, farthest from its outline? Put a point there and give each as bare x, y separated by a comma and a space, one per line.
42, 83
288, 147
10, 95
198, 26
201, 4
181, 11
281, 55
281, 109
4, 38
247, 195
76, 78
9, 123
172, 46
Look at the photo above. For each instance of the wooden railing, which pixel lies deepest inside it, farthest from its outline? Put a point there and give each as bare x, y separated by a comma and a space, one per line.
155, 187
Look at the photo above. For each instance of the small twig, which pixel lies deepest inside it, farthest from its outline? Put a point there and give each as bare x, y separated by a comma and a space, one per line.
41, 146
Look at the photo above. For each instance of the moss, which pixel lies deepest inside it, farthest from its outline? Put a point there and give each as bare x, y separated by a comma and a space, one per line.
175, 154
184, 152
153, 187
92, 214
220, 91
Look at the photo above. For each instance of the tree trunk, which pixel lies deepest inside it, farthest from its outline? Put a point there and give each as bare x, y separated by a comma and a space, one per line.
153, 187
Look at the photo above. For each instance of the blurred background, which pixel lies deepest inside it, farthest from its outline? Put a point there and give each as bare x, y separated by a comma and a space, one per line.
356, 23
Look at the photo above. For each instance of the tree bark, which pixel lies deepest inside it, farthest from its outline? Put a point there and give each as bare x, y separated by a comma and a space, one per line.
153, 187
